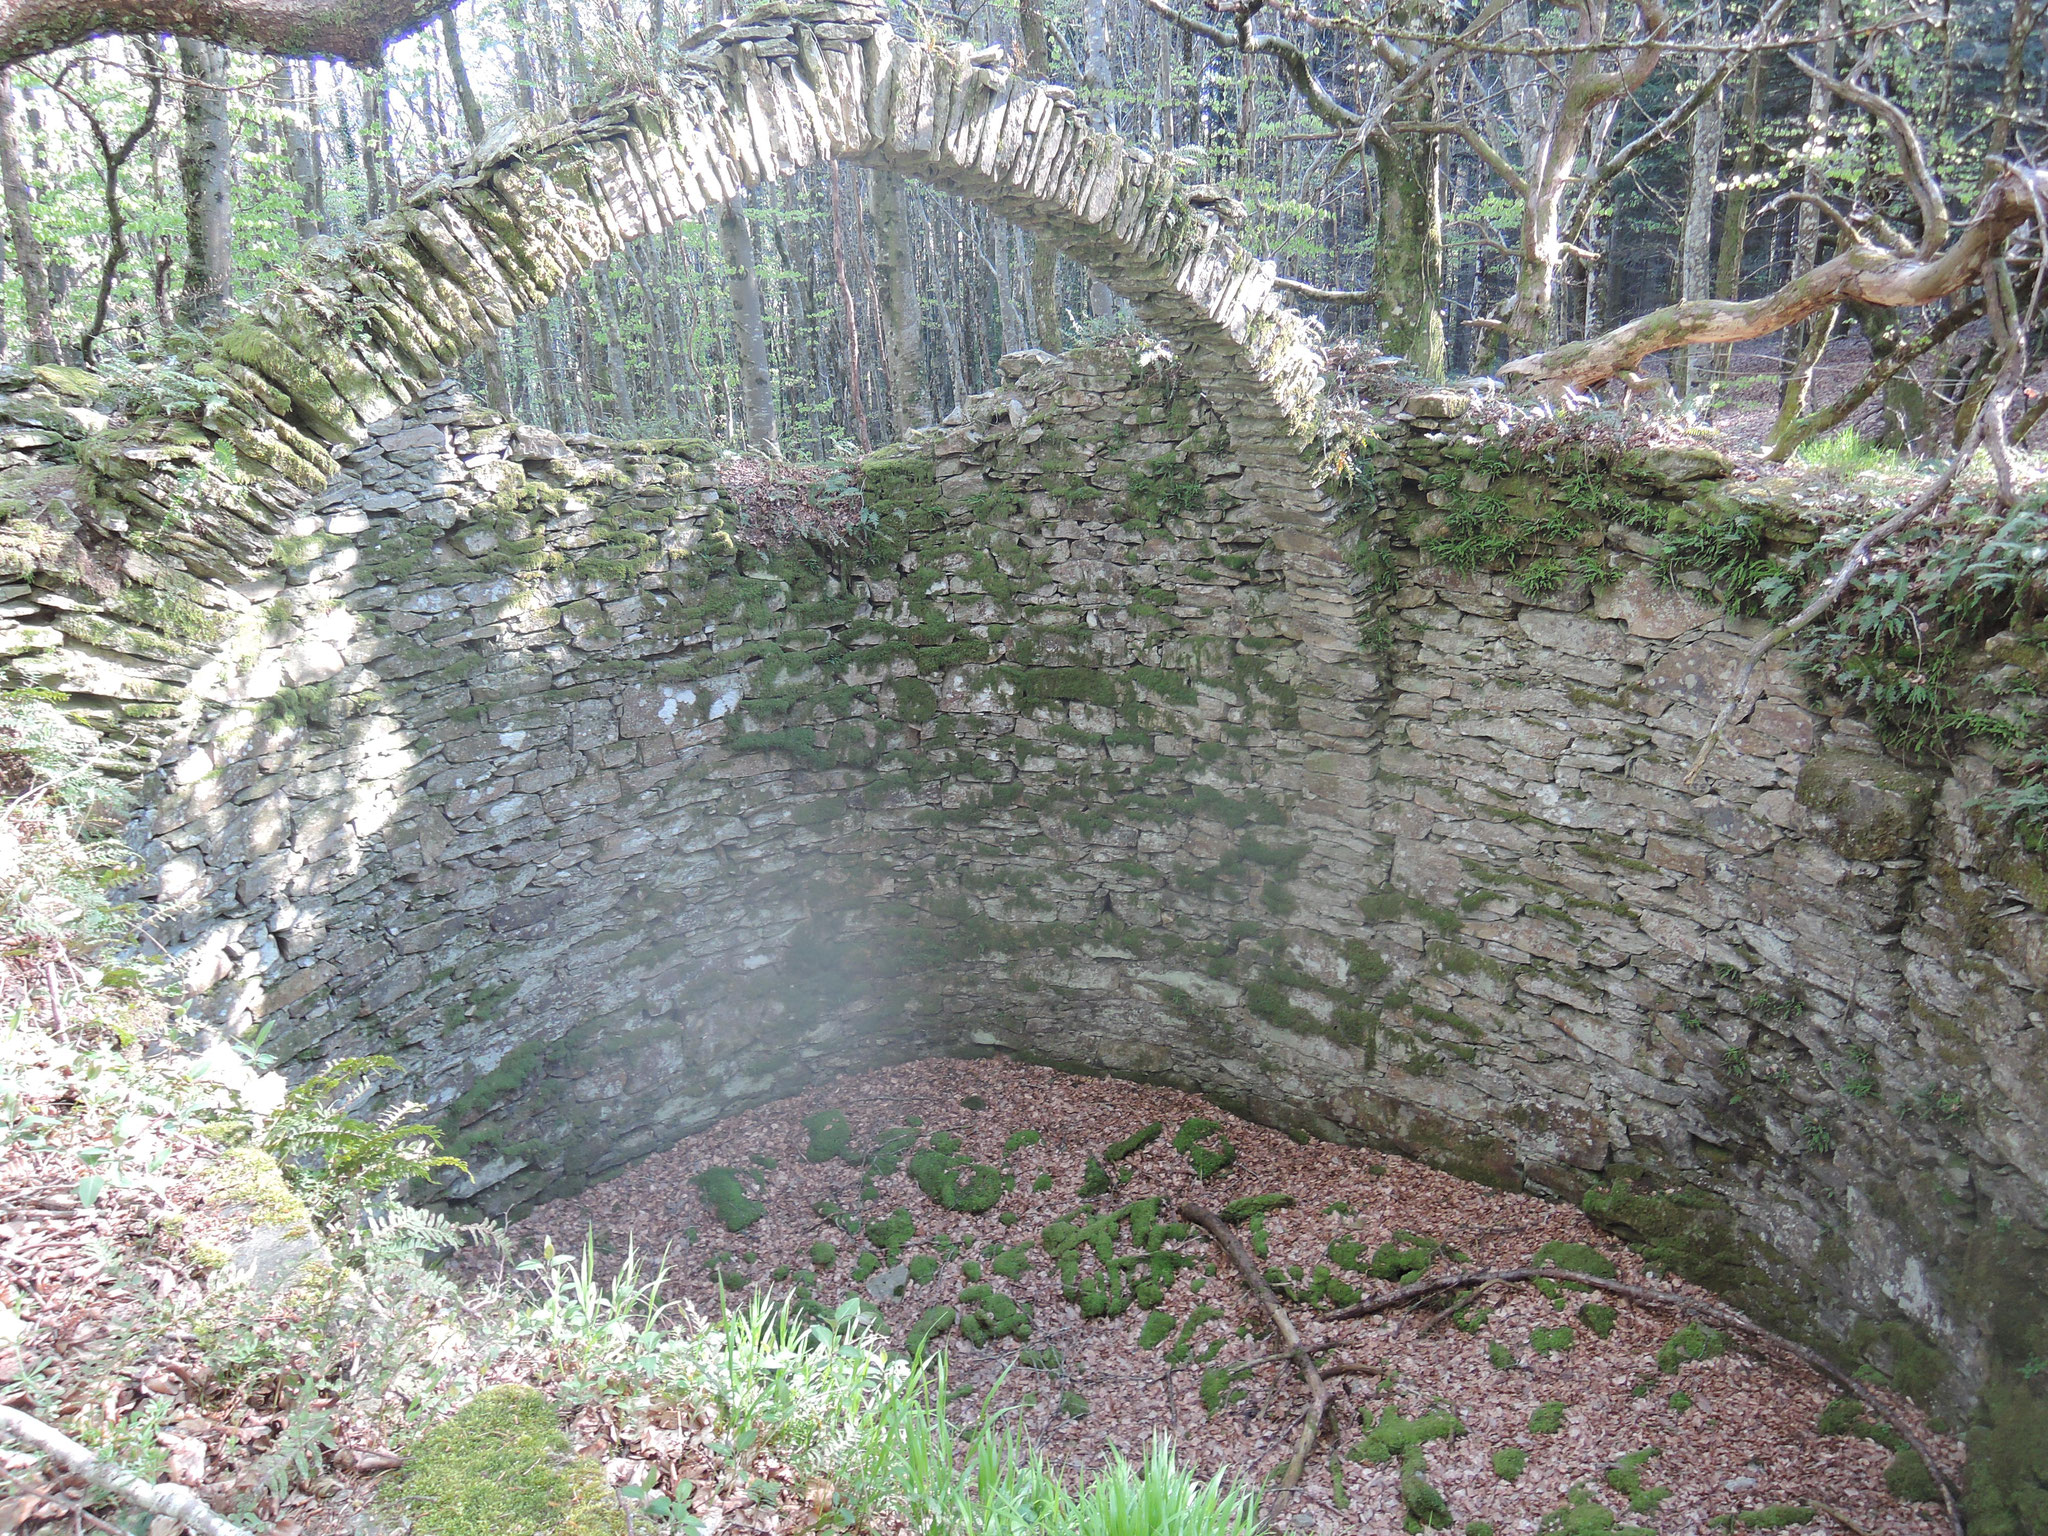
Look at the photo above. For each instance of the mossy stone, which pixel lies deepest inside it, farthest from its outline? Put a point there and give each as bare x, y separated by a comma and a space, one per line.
1871, 807
502, 1467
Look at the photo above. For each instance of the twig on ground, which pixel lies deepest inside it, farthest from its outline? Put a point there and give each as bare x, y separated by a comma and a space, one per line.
167, 1499
1851, 1526
1318, 1388
1449, 1312
1726, 1316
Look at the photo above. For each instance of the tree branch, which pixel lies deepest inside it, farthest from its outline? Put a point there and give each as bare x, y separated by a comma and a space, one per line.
353, 31
1315, 295
1318, 1388
170, 1500
1866, 274
1661, 130
1912, 154
1880, 374
1495, 160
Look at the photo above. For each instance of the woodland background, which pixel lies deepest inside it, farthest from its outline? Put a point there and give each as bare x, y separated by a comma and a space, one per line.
1385, 156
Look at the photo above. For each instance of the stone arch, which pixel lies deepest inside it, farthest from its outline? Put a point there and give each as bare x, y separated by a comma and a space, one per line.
755, 99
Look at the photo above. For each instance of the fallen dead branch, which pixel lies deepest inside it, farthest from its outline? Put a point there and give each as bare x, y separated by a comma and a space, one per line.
1719, 1313
170, 1500
1318, 1385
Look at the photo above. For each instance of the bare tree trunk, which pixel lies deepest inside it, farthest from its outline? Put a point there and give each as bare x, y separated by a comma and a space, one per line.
203, 162
1690, 371
910, 402
1045, 257
294, 109
488, 354
371, 143
757, 382
522, 56
1820, 106
1735, 212
472, 110
2026, 15
28, 247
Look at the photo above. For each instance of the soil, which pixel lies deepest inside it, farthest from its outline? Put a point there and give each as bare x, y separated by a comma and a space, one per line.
1088, 1388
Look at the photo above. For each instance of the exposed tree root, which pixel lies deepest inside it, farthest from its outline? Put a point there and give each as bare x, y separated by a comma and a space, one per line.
1767, 1342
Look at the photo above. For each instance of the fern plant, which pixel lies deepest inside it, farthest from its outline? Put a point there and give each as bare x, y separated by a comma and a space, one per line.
337, 1162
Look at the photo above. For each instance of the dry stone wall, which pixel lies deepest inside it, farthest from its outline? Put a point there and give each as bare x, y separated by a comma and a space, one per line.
1088, 748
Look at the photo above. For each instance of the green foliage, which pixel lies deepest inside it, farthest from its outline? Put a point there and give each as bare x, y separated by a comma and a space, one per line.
728, 1198
1551, 1340
824, 1255
1499, 1356
1425, 1505
1017, 1141
332, 1159
1598, 1318
1509, 1463
1158, 1328
1095, 1179
1548, 1419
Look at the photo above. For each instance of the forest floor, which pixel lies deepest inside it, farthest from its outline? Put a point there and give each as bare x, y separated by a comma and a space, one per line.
1521, 1404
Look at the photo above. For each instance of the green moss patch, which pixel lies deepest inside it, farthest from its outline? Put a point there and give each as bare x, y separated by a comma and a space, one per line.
1509, 1463
1402, 1259
728, 1199
1582, 1514
1395, 1436
1255, 1205
1598, 1318
831, 1136
1694, 1341
1577, 1257
1204, 1145
1137, 1141
1771, 1517
1626, 1476
1548, 1419
502, 1467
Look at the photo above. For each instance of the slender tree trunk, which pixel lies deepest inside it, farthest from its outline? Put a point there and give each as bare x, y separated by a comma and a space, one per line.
36, 315
472, 110
522, 56
743, 283
490, 357
624, 412
910, 402
1820, 107
203, 163
1045, 257
371, 143
1695, 247
293, 107
1735, 211
2026, 15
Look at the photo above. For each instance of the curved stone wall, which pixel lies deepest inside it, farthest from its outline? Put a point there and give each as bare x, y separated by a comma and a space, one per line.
1088, 748
604, 827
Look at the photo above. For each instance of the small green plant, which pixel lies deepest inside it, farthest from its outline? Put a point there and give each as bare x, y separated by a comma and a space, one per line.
1548, 1341
1509, 1463
1816, 1136
335, 1161
1499, 1355
1548, 1419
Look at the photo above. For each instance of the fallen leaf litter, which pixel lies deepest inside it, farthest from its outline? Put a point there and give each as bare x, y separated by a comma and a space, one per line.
1730, 1432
